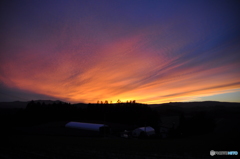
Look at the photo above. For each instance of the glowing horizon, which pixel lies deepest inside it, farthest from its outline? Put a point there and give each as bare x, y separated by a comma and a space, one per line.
151, 52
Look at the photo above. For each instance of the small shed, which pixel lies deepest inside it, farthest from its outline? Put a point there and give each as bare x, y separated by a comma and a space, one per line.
147, 131
101, 128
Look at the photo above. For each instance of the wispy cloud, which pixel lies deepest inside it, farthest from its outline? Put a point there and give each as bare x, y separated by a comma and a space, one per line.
82, 56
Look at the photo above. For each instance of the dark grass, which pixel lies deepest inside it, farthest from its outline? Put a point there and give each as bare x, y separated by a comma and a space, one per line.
54, 141
40, 146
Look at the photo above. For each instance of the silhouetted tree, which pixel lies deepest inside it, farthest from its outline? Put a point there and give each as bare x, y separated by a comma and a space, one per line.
30, 105
43, 104
132, 114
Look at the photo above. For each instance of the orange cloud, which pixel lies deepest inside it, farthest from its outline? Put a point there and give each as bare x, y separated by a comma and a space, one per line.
148, 65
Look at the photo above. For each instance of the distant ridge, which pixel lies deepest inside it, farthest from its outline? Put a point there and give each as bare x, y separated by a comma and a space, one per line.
48, 101
195, 103
16, 104
21, 104
177, 108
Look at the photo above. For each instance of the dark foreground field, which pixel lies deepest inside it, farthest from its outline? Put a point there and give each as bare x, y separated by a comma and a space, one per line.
35, 137
65, 147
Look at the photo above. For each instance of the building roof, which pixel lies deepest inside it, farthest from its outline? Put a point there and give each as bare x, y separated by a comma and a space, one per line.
147, 129
84, 126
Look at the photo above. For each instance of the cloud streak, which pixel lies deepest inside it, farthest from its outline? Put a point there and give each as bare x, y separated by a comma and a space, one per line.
85, 56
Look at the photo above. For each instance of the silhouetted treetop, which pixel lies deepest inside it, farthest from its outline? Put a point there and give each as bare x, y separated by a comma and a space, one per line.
126, 113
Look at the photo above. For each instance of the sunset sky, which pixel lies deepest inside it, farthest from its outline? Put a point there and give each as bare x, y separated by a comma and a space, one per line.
151, 51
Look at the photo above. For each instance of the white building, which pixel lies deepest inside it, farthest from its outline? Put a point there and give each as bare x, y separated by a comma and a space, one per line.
143, 130
88, 126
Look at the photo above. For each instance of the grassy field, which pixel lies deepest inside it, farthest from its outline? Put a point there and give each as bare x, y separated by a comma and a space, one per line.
65, 147
52, 140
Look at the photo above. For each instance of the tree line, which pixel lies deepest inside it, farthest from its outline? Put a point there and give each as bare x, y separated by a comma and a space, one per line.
118, 101
130, 113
